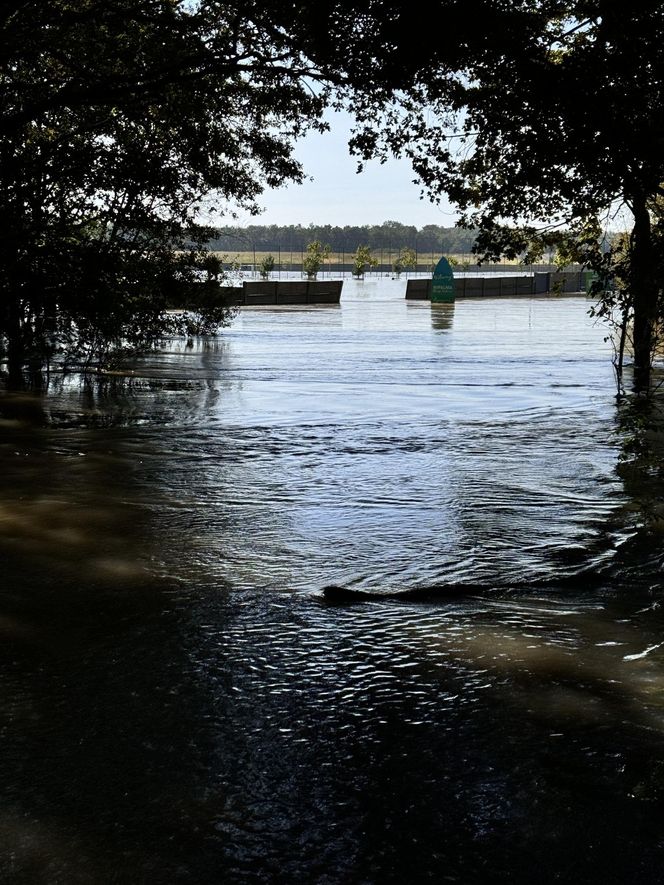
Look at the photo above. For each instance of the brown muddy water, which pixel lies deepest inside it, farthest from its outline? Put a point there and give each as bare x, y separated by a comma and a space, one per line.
179, 704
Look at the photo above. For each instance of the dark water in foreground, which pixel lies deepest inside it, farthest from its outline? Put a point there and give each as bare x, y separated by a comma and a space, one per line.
177, 702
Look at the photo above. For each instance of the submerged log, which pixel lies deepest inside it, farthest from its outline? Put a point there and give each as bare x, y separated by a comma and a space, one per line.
586, 580
437, 593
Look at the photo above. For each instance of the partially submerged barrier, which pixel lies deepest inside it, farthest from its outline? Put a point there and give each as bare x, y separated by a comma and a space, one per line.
285, 292
546, 283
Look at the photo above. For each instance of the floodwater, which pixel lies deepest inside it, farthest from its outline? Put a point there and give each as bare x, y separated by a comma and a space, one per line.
178, 702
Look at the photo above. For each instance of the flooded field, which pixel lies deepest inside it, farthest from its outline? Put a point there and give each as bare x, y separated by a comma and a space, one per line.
178, 701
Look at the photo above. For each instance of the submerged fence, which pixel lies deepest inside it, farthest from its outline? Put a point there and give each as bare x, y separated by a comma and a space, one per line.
494, 286
281, 292
291, 262
328, 291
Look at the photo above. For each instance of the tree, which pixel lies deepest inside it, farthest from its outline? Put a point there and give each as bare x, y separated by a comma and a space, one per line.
405, 259
124, 122
363, 259
267, 266
317, 254
123, 119
550, 121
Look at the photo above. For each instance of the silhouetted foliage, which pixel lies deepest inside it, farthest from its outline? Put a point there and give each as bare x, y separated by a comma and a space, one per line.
544, 113
124, 122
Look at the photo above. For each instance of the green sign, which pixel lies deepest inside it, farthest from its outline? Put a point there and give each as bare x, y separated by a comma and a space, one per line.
442, 285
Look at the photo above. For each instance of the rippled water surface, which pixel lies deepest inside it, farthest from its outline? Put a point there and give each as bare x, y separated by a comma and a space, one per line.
179, 703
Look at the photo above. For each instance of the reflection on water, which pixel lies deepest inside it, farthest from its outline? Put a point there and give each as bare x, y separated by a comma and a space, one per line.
442, 316
178, 702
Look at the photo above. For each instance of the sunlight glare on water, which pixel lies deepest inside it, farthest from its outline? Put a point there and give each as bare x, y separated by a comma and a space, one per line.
387, 444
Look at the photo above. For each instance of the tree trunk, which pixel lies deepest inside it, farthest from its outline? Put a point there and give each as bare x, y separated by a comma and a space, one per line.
644, 294
16, 355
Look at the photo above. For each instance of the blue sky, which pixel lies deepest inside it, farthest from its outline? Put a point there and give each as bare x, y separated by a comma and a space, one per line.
339, 196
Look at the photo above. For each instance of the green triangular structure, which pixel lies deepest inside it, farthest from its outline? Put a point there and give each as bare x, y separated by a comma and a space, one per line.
442, 285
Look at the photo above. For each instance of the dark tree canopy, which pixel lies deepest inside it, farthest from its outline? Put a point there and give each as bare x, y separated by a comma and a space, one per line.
125, 121
553, 119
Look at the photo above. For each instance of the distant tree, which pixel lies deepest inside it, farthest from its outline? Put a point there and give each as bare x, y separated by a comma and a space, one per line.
389, 235
362, 260
407, 258
267, 266
316, 255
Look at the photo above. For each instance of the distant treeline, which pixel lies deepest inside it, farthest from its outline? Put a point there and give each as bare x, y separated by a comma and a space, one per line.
389, 235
